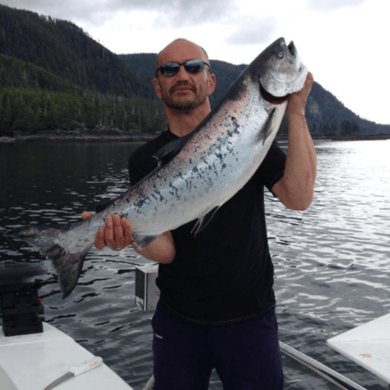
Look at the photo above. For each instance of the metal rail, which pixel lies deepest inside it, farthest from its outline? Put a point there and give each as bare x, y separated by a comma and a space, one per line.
320, 369
149, 384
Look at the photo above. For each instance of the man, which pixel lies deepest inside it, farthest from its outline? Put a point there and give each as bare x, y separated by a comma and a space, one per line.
217, 303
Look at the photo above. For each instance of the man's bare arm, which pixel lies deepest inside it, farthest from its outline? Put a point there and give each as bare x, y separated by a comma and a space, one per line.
296, 188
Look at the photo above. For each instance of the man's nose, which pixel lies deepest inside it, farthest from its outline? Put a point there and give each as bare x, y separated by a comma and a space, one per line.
182, 74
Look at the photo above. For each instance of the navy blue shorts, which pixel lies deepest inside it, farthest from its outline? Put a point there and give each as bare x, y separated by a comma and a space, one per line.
246, 356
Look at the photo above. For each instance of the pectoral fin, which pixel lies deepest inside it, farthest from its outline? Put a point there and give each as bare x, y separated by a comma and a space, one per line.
266, 129
202, 222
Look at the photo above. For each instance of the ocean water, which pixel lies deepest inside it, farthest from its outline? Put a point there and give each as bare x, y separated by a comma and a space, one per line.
332, 261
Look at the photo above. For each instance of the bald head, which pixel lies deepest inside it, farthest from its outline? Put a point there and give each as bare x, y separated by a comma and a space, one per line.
182, 45
185, 92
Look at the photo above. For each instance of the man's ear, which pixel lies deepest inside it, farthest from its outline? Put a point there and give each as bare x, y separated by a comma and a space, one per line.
211, 84
157, 88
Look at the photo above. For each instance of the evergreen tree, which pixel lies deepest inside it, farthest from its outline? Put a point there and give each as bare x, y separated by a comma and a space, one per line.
349, 128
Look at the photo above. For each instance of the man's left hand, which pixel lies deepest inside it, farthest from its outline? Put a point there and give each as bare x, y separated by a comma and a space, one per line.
297, 101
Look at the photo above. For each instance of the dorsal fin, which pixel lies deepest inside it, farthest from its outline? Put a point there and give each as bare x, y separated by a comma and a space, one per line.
170, 150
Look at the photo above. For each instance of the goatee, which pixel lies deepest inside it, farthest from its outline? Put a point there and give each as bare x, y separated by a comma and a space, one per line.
185, 106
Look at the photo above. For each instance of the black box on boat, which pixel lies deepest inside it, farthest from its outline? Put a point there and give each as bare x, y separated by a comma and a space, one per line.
146, 291
20, 307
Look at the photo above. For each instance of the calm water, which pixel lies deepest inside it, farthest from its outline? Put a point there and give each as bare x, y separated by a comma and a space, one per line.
331, 261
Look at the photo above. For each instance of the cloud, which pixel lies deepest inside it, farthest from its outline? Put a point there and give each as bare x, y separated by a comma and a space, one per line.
330, 5
172, 13
184, 13
25, 4
253, 31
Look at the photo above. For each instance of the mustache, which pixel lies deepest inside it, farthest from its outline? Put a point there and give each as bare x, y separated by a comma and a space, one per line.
182, 84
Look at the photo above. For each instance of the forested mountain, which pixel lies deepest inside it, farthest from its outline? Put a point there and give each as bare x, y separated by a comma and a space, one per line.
33, 99
53, 76
325, 114
66, 50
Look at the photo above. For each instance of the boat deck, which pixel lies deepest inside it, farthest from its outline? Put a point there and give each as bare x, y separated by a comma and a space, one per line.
367, 345
44, 357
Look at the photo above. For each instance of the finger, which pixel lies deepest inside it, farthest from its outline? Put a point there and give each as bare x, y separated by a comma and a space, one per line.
99, 239
304, 92
309, 82
109, 233
85, 215
128, 230
297, 101
118, 232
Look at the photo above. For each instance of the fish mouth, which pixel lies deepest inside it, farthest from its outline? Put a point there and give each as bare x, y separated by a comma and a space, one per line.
292, 49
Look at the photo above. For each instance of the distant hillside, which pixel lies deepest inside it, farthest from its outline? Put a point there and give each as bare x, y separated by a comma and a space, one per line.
53, 76
326, 114
93, 88
66, 50
33, 99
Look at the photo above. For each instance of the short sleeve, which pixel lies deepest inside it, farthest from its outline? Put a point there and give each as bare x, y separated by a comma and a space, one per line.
135, 174
142, 162
271, 169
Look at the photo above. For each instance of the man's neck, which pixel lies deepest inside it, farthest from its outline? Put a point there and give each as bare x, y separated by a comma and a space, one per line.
182, 123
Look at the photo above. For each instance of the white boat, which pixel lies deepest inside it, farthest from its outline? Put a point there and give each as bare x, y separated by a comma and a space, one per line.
367, 345
33, 354
33, 361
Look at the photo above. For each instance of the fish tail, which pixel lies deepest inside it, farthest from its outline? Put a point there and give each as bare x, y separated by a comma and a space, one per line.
68, 264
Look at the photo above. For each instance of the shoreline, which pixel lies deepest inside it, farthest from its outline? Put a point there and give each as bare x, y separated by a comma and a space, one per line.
147, 137
366, 137
77, 138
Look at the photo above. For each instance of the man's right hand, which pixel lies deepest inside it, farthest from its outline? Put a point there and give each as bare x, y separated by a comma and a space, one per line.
116, 234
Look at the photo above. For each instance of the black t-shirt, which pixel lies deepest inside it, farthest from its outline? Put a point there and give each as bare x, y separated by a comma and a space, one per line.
224, 274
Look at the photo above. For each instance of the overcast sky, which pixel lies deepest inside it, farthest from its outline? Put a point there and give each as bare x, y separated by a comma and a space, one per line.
344, 43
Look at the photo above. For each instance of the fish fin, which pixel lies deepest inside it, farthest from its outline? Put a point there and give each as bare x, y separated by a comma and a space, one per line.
266, 129
68, 265
202, 222
170, 150
143, 241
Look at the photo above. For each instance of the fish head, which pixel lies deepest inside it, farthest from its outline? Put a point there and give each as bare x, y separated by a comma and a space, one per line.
279, 69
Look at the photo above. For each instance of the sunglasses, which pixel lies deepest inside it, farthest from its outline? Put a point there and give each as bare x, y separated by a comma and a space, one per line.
192, 66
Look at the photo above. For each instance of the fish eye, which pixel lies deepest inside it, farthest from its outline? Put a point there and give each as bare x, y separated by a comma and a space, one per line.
280, 54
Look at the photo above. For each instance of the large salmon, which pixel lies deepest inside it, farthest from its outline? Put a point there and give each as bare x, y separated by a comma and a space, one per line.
197, 173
